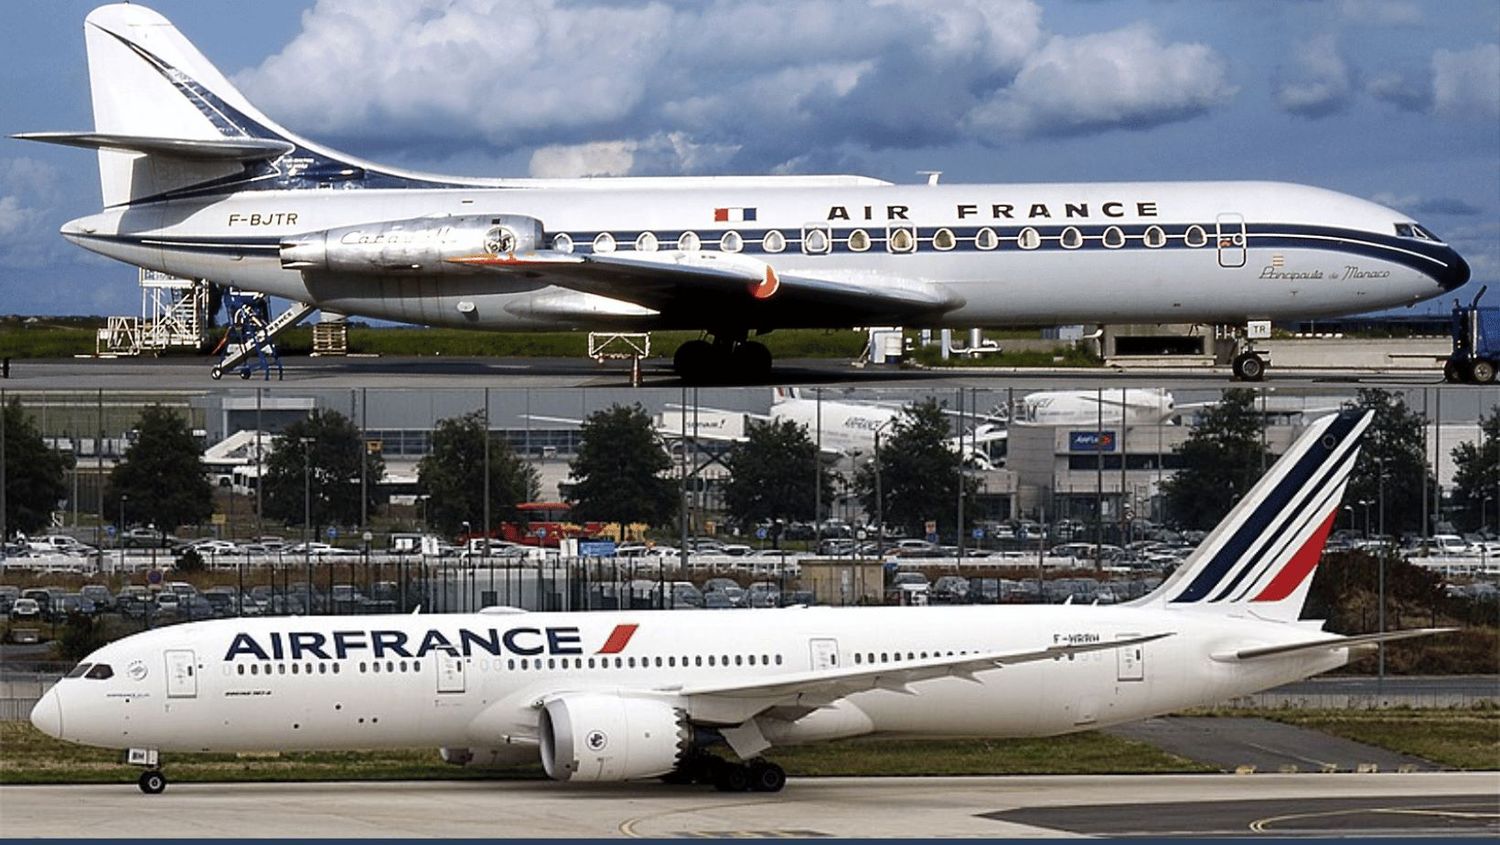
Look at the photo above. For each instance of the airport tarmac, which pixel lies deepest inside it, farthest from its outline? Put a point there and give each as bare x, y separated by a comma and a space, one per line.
189, 373
1426, 804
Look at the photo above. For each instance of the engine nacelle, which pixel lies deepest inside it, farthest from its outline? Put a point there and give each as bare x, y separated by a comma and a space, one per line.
608, 737
422, 245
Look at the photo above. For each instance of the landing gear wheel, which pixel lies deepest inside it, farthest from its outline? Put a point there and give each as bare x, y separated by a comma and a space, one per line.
732, 778
1249, 367
217, 373
1452, 372
245, 375
1482, 372
767, 777
152, 782
751, 361
694, 361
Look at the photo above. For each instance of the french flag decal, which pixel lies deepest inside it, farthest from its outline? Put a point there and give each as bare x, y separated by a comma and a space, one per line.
618, 638
734, 215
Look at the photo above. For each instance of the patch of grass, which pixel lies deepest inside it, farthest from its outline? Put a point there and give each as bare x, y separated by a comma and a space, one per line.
1464, 739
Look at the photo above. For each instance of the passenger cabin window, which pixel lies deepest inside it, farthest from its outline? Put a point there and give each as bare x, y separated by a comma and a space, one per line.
1071, 238
1195, 236
815, 240
102, 672
731, 242
688, 242
1029, 238
774, 241
646, 242
859, 240
1114, 237
562, 243
605, 242
901, 239
1155, 237
986, 239
943, 240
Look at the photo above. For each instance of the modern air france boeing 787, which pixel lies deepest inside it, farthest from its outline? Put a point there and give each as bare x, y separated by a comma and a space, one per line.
199, 183
624, 695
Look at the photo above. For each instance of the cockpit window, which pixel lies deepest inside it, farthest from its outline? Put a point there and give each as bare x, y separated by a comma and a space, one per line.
79, 670
1413, 230
100, 672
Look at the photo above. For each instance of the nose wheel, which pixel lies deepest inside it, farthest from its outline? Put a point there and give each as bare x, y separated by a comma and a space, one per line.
152, 782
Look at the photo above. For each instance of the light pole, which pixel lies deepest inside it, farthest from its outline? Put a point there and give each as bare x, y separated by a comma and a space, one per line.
1380, 656
1365, 503
120, 533
468, 559
307, 516
879, 497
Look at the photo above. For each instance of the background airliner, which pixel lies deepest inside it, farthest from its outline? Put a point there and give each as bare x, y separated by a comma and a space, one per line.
198, 183
627, 695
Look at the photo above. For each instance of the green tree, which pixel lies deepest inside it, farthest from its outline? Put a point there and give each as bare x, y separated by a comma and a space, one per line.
619, 471
918, 472
1392, 446
328, 447
1221, 461
162, 474
451, 476
771, 474
33, 473
1477, 475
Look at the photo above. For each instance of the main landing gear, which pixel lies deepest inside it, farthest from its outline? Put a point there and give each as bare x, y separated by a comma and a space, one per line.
1249, 366
729, 358
728, 776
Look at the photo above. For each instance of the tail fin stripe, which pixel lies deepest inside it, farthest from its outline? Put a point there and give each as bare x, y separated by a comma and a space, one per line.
1300, 566
1313, 499
1269, 509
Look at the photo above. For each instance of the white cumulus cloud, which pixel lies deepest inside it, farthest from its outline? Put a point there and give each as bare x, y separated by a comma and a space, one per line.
602, 86
1320, 83
1466, 83
1127, 78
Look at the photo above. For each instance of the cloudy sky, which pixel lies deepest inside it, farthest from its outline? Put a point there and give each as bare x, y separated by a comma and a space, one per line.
1395, 100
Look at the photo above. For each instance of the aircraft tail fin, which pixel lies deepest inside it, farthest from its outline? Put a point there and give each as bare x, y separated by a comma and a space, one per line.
168, 124
1260, 559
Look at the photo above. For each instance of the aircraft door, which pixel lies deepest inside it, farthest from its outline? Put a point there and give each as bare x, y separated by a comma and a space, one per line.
824, 653
1131, 660
450, 672
182, 673
1229, 234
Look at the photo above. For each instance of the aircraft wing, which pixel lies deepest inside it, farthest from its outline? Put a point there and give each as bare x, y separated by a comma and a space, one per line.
694, 285
735, 702
1326, 644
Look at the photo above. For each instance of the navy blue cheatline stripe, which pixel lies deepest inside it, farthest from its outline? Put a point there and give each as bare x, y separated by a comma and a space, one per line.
1274, 503
1315, 500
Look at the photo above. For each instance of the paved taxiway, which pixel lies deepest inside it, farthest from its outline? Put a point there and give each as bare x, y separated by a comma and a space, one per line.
189, 373
1411, 804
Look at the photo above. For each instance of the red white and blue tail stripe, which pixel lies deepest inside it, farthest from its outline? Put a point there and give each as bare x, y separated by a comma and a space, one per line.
1261, 558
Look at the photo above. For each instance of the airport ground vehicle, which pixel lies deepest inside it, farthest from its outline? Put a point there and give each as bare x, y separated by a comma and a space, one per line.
25, 610
1476, 343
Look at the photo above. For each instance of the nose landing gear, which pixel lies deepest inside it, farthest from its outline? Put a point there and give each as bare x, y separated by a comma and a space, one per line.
152, 782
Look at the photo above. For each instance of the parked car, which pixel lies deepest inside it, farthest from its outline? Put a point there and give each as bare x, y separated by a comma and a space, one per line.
8, 596
167, 603
763, 594
99, 595
26, 610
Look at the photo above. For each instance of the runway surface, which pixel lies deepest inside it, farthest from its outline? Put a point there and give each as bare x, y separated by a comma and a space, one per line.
188, 373
1434, 803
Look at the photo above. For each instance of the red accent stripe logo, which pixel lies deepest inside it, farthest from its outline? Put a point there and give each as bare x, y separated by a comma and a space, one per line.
1300, 566
618, 638
721, 215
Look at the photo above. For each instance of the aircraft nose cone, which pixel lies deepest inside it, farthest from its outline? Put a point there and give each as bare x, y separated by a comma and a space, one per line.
1457, 273
47, 715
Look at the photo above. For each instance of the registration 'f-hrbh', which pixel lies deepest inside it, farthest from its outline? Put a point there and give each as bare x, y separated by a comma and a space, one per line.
199, 183
626, 695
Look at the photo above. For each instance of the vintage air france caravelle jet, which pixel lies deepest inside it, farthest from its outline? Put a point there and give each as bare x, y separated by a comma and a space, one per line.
609, 696
199, 183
